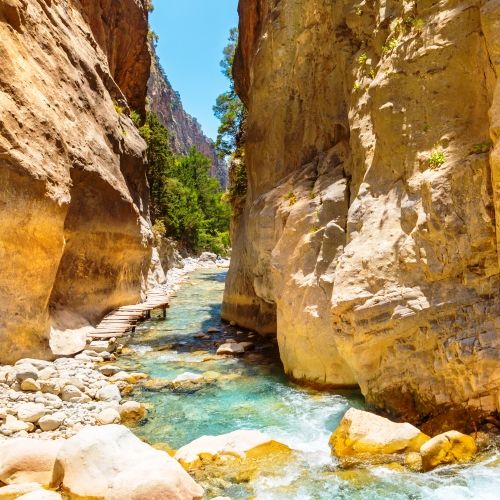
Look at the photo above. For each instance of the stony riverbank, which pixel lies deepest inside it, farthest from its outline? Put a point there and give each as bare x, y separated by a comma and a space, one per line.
53, 400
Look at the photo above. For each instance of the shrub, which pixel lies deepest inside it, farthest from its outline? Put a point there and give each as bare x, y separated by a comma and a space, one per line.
363, 58
437, 158
482, 147
291, 198
391, 44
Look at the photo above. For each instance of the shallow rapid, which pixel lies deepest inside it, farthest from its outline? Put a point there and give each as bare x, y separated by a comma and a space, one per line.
254, 394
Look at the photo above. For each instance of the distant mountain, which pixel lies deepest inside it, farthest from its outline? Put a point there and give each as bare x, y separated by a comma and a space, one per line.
184, 129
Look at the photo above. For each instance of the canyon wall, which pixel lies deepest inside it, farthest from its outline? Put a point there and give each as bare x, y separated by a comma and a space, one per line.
367, 241
185, 131
75, 239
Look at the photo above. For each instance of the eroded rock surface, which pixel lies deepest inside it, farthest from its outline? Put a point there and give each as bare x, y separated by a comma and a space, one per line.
74, 223
367, 242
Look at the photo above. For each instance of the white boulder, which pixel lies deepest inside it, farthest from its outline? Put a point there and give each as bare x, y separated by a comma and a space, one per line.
110, 462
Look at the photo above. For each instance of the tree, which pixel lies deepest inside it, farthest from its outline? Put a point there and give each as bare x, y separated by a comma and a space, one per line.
228, 107
186, 202
230, 110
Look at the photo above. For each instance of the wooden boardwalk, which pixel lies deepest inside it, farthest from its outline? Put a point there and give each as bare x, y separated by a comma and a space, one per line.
123, 320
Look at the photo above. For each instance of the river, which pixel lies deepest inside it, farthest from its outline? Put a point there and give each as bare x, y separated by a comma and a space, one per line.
254, 394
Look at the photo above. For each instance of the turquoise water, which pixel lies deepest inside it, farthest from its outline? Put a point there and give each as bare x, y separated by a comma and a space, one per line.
252, 393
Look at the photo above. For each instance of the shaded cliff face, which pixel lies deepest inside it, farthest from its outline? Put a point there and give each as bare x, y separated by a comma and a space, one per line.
185, 131
74, 230
368, 237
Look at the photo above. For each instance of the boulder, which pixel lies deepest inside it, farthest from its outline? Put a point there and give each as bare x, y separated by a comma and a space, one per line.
14, 491
109, 393
50, 386
132, 412
71, 393
448, 448
30, 385
24, 460
364, 433
231, 349
52, 422
13, 425
24, 371
110, 462
187, 377
109, 370
68, 342
207, 257
108, 416
240, 445
31, 412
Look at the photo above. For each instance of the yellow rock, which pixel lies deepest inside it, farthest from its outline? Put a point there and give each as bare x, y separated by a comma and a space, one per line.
447, 448
239, 445
364, 433
413, 461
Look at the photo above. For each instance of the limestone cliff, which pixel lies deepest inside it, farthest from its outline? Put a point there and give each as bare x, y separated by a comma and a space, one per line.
368, 237
185, 131
74, 230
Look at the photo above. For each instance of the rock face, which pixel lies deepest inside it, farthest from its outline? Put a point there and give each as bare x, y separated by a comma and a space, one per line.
74, 230
185, 131
367, 242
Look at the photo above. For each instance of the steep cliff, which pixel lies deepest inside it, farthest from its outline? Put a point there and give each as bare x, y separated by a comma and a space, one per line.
368, 237
185, 130
74, 230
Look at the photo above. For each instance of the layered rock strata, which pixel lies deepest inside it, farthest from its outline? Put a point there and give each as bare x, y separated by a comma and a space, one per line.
367, 242
74, 230
185, 131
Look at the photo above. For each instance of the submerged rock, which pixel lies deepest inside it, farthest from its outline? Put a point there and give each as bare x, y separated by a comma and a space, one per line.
132, 412
240, 445
362, 433
231, 348
448, 448
110, 462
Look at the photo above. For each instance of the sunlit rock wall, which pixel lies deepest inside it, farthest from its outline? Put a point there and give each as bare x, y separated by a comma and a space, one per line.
368, 237
74, 230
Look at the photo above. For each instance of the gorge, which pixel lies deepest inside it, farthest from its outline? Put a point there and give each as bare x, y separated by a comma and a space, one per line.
364, 269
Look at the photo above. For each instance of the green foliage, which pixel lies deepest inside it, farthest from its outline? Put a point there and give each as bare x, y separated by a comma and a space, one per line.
414, 22
437, 158
136, 118
363, 58
291, 198
358, 11
153, 38
480, 148
186, 203
391, 44
237, 180
372, 73
119, 108
230, 110
356, 86
148, 5
228, 107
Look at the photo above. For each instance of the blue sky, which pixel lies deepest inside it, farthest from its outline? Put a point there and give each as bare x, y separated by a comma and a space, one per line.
192, 35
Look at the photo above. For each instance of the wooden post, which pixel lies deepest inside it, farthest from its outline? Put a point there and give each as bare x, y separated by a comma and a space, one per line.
164, 313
